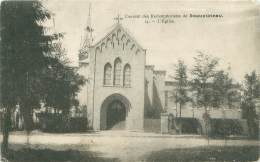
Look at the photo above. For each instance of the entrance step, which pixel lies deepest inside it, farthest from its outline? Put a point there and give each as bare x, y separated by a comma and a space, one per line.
119, 126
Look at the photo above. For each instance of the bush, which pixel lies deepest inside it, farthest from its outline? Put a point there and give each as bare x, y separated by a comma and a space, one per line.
189, 125
78, 124
61, 123
225, 127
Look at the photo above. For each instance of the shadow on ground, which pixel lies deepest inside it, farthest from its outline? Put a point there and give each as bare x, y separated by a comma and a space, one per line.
47, 155
194, 154
208, 153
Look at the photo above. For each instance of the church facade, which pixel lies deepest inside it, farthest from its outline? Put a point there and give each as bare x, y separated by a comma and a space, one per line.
121, 90
119, 84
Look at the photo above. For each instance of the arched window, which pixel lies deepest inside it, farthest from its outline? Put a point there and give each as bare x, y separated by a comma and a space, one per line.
117, 72
107, 74
127, 75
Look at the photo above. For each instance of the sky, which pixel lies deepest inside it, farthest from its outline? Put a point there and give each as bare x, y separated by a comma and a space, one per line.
234, 38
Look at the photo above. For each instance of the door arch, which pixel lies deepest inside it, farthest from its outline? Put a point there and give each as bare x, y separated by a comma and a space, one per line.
114, 110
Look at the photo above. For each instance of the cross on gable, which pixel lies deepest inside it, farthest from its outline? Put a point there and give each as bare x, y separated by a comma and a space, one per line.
118, 18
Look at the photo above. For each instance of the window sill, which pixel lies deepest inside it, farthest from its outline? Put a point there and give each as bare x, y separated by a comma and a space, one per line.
117, 86
107, 85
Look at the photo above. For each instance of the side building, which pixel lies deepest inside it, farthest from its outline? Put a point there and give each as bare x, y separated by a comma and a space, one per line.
122, 91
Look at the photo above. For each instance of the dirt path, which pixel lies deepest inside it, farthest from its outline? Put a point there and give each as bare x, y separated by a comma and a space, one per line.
121, 144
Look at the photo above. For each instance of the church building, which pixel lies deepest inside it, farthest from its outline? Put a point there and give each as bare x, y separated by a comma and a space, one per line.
119, 84
122, 91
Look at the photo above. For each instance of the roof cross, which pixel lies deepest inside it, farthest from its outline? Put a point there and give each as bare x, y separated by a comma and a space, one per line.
118, 18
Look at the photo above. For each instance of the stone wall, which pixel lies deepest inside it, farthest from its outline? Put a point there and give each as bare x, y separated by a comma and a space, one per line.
214, 113
116, 46
152, 125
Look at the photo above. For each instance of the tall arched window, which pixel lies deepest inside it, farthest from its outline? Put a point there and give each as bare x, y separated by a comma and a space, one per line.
117, 72
127, 75
107, 74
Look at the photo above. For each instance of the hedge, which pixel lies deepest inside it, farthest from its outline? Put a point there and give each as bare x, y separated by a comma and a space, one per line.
225, 127
189, 125
61, 123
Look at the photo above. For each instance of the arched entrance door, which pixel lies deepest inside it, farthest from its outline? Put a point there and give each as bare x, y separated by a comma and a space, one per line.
114, 111
116, 115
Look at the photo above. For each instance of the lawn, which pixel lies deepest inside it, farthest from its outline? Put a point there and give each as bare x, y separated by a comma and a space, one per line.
48, 155
198, 154
206, 153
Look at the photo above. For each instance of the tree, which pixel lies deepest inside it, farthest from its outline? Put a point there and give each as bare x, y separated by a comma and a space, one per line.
251, 93
29, 57
181, 79
24, 46
61, 83
225, 92
203, 74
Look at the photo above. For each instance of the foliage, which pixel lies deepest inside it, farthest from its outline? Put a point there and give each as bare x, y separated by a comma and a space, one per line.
78, 124
31, 68
225, 92
225, 127
251, 93
181, 79
203, 74
60, 123
61, 83
189, 125
52, 122
23, 44
251, 87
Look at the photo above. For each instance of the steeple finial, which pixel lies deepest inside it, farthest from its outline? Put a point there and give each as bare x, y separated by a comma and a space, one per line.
118, 18
89, 28
88, 38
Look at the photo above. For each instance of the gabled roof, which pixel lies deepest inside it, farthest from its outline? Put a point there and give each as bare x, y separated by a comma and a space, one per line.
111, 33
113, 29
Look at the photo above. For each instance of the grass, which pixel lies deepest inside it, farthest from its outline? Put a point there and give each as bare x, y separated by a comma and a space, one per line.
206, 153
194, 154
48, 155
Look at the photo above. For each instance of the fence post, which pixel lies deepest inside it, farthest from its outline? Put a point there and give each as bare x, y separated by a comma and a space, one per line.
164, 123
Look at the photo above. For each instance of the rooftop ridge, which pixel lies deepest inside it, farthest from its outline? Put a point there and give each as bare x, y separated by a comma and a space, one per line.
114, 28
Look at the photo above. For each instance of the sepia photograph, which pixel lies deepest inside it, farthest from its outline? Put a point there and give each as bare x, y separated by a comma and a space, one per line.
130, 81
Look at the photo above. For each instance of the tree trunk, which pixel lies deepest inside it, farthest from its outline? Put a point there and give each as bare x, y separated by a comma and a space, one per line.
180, 109
28, 139
28, 120
253, 128
6, 130
206, 122
176, 109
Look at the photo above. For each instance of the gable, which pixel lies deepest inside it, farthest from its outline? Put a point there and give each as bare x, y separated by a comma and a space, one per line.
118, 35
